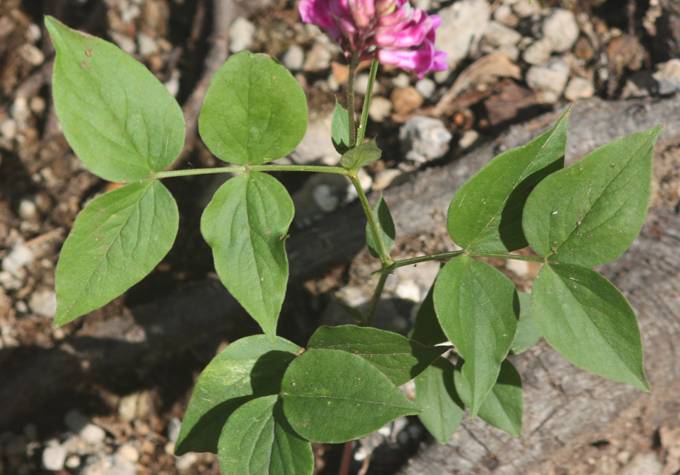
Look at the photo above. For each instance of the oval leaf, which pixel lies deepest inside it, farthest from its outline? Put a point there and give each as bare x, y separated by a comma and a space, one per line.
118, 118
441, 410
397, 357
257, 440
333, 396
486, 213
590, 213
246, 224
254, 111
340, 128
503, 406
251, 366
115, 242
587, 320
387, 232
477, 308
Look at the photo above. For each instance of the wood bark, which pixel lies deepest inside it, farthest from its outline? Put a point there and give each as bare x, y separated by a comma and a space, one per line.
140, 338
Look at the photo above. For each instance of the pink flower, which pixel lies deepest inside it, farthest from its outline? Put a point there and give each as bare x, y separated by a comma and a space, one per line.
391, 30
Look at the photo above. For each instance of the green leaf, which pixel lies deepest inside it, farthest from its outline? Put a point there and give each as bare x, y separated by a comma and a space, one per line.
254, 111
257, 440
590, 212
250, 367
115, 242
332, 396
587, 320
503, 406
246, 224
397, 357
486, 213
441, 410
387, 232
361, 155
340, 128
477, 308
427, 329
527, 333
118, 118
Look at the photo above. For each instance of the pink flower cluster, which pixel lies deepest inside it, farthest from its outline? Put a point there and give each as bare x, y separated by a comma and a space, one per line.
391, 30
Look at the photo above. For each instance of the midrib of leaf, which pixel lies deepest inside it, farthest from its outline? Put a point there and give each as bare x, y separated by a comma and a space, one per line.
594, 204
105, 257
250, 219
260, 437
350, 400
592, 325
486, 227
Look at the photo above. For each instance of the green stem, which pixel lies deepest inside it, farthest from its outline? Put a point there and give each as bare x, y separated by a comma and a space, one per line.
373, 306
445, 256
353, 63
510, 256
361, 133
372, 223
255, 168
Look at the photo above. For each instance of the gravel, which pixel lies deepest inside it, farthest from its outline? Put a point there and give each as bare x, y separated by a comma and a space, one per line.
424, 139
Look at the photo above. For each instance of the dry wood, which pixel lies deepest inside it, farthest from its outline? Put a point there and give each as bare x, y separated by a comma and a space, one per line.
137, 340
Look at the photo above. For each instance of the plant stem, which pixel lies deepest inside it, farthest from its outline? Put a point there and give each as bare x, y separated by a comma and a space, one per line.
373, 306
442, 256
372, 223
255, 168
510, 256
361, 133
445, 256
353, 63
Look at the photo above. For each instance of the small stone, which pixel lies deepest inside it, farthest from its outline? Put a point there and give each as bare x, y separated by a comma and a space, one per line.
385, 178
538, 53
380, 109
318, 58
31, 54
517, 267
406, 100
667, 77
43, 302
27, 209
408, 291
579, 88
53, 458
548, 81
426, 87
498, 35
643, 464
424, 138
402, 80
503, 14
361, 84
325, 198
72, 461
526, 8
147, 45
186, 462
468, 138
92, 434
294, 58
462, 26
37, 105
128, 452
19, 257
173, 429
8, 129
561, 30
241, 35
